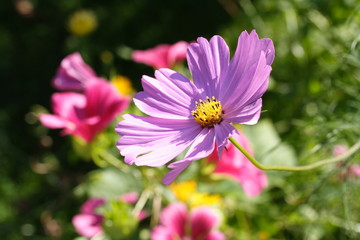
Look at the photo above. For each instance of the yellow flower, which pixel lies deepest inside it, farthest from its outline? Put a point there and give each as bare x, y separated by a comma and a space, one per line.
123, 84
82, 22
183, 190
186, 192
200, 199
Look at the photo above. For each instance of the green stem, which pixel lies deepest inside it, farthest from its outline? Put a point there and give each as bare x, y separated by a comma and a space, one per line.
104, 158
141, 202
320, 163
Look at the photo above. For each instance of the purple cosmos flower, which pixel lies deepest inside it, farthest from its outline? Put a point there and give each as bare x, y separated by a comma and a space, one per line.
74, 74
177, 223
163, 55
234, 164
194, 115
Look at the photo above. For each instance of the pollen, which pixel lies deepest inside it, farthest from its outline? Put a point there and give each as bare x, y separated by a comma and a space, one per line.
209, 112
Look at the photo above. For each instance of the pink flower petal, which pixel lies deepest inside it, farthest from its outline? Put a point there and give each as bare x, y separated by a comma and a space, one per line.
73, 74
131, 197
355, 170
174, 218
177, 52
64, 103
176, 224
88, 225
215, 235
235, 165
161, 56
91, 204
202, 221
52, 121
85, 115
155, 57
162, 233
339, 149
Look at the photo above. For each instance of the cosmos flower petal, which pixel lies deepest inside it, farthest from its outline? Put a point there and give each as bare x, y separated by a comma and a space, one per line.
87, 224
104, 101
248, 73
91, 204
157, 140
223, 131
177, 52
155, 57
177, 167
254, 85
254, 186
235, 165
162, 233
65, 102
249, 115
175, 98
161, 56
177, 223
52, 121
202, 146
202, 220
355, 170
73, 74
215, 235
174, 218
208, 63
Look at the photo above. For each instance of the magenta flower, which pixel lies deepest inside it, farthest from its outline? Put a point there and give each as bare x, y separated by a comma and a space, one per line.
177, 224
194, 115
74, 74
88, 222
234, 164
85, 115
161, 56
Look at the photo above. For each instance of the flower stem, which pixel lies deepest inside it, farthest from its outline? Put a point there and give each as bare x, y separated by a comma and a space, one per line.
320, 163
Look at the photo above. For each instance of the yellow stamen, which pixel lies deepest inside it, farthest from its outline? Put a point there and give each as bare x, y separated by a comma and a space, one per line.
208, 113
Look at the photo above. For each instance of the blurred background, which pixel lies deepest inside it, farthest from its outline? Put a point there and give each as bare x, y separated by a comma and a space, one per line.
313, 103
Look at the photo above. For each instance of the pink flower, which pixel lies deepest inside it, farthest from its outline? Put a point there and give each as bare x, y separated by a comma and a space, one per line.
235, 165
353, 170
88, 222
85, 115
176, 223
131, 197
339, 149
164, 55
74, 74
91, 204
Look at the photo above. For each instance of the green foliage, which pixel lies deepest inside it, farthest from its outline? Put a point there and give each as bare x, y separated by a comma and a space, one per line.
313, 104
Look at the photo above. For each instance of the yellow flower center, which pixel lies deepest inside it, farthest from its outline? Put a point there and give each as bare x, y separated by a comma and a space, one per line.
208, 113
